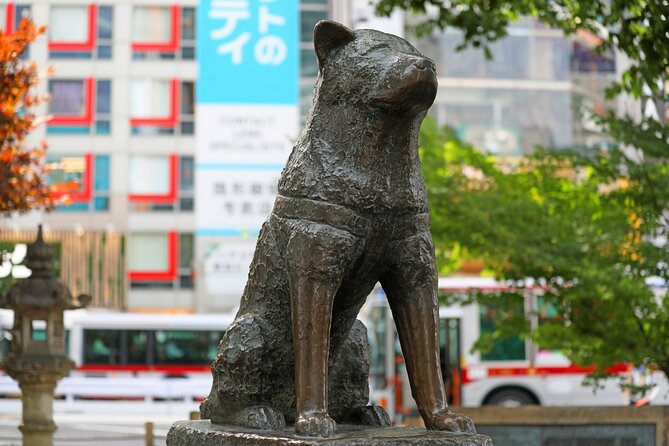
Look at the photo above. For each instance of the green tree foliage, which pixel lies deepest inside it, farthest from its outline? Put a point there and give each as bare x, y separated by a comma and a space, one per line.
583, 231
638, 28
591, 227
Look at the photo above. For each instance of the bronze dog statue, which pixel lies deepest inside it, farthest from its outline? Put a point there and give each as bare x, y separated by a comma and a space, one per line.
351, 211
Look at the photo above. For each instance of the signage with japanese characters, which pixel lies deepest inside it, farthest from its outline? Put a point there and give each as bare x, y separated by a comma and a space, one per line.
247, 52
226, 264
247, 100
243, 196
247, 118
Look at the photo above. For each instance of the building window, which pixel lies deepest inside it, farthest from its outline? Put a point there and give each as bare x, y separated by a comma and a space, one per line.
79, 183
163, 33
161, 260
584, 58
6, 18
186, 256
310, 13
187, 109
79, 106
80, 32
105, 32
188, 33
161, 183
308, 62
309, 16
162, 107
186, 183
11, 15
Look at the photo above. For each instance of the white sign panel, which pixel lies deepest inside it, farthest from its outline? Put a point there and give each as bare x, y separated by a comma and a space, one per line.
237, 201
226, 264
245, 134
247, 122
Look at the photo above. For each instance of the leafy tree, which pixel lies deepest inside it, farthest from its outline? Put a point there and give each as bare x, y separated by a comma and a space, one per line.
591, 226
575, 225
22, 187
638, 28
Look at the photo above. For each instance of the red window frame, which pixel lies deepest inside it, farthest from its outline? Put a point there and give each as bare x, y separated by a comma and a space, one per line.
86, 192
589, 37
170, 46
87, 118
171, 120
9, 18
162, 276
89, 44
171, 195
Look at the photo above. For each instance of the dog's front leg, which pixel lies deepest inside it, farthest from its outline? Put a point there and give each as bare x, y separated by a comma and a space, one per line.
317, 258
311, 318
411, 287
416, 317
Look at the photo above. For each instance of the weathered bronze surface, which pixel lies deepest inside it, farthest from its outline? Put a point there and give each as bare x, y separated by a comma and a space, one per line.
351, 211
203, 433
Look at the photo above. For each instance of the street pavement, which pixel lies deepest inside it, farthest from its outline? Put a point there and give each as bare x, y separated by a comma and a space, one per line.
99, 423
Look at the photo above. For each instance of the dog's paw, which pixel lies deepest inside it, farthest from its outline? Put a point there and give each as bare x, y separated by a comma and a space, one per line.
315, 424
261, 417
372, 415
449, 421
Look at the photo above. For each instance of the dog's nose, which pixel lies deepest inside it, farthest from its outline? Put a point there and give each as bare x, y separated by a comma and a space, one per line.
424, 63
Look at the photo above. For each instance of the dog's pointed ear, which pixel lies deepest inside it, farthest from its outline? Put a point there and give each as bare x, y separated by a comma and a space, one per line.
329, 35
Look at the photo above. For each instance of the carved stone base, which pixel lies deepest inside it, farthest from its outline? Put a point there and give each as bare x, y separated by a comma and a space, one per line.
203, 433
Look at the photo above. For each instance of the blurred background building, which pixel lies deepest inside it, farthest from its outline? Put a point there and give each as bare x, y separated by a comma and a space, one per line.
122, 137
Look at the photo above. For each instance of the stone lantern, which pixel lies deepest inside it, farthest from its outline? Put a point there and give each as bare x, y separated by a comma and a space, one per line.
37, 357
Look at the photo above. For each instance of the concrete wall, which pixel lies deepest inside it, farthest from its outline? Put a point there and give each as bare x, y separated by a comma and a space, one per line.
574, 416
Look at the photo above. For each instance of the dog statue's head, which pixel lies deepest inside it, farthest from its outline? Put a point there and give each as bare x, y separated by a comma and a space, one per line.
374, 68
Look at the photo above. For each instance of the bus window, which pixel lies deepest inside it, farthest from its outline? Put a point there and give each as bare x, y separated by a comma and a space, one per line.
5, 343
503, 348
548, 315
214, 339
186, 346
101, 346
138, 342
547, 311
449, 354
377, 333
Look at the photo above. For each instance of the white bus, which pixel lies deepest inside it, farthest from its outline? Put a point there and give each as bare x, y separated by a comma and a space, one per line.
515, 372
132, 355
168, 356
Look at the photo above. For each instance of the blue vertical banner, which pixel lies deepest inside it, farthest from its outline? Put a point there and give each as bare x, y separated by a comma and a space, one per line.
247, 52
247, 118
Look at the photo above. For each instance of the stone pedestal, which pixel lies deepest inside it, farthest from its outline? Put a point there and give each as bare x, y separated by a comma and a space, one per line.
37, 379
37, 424
203, 433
